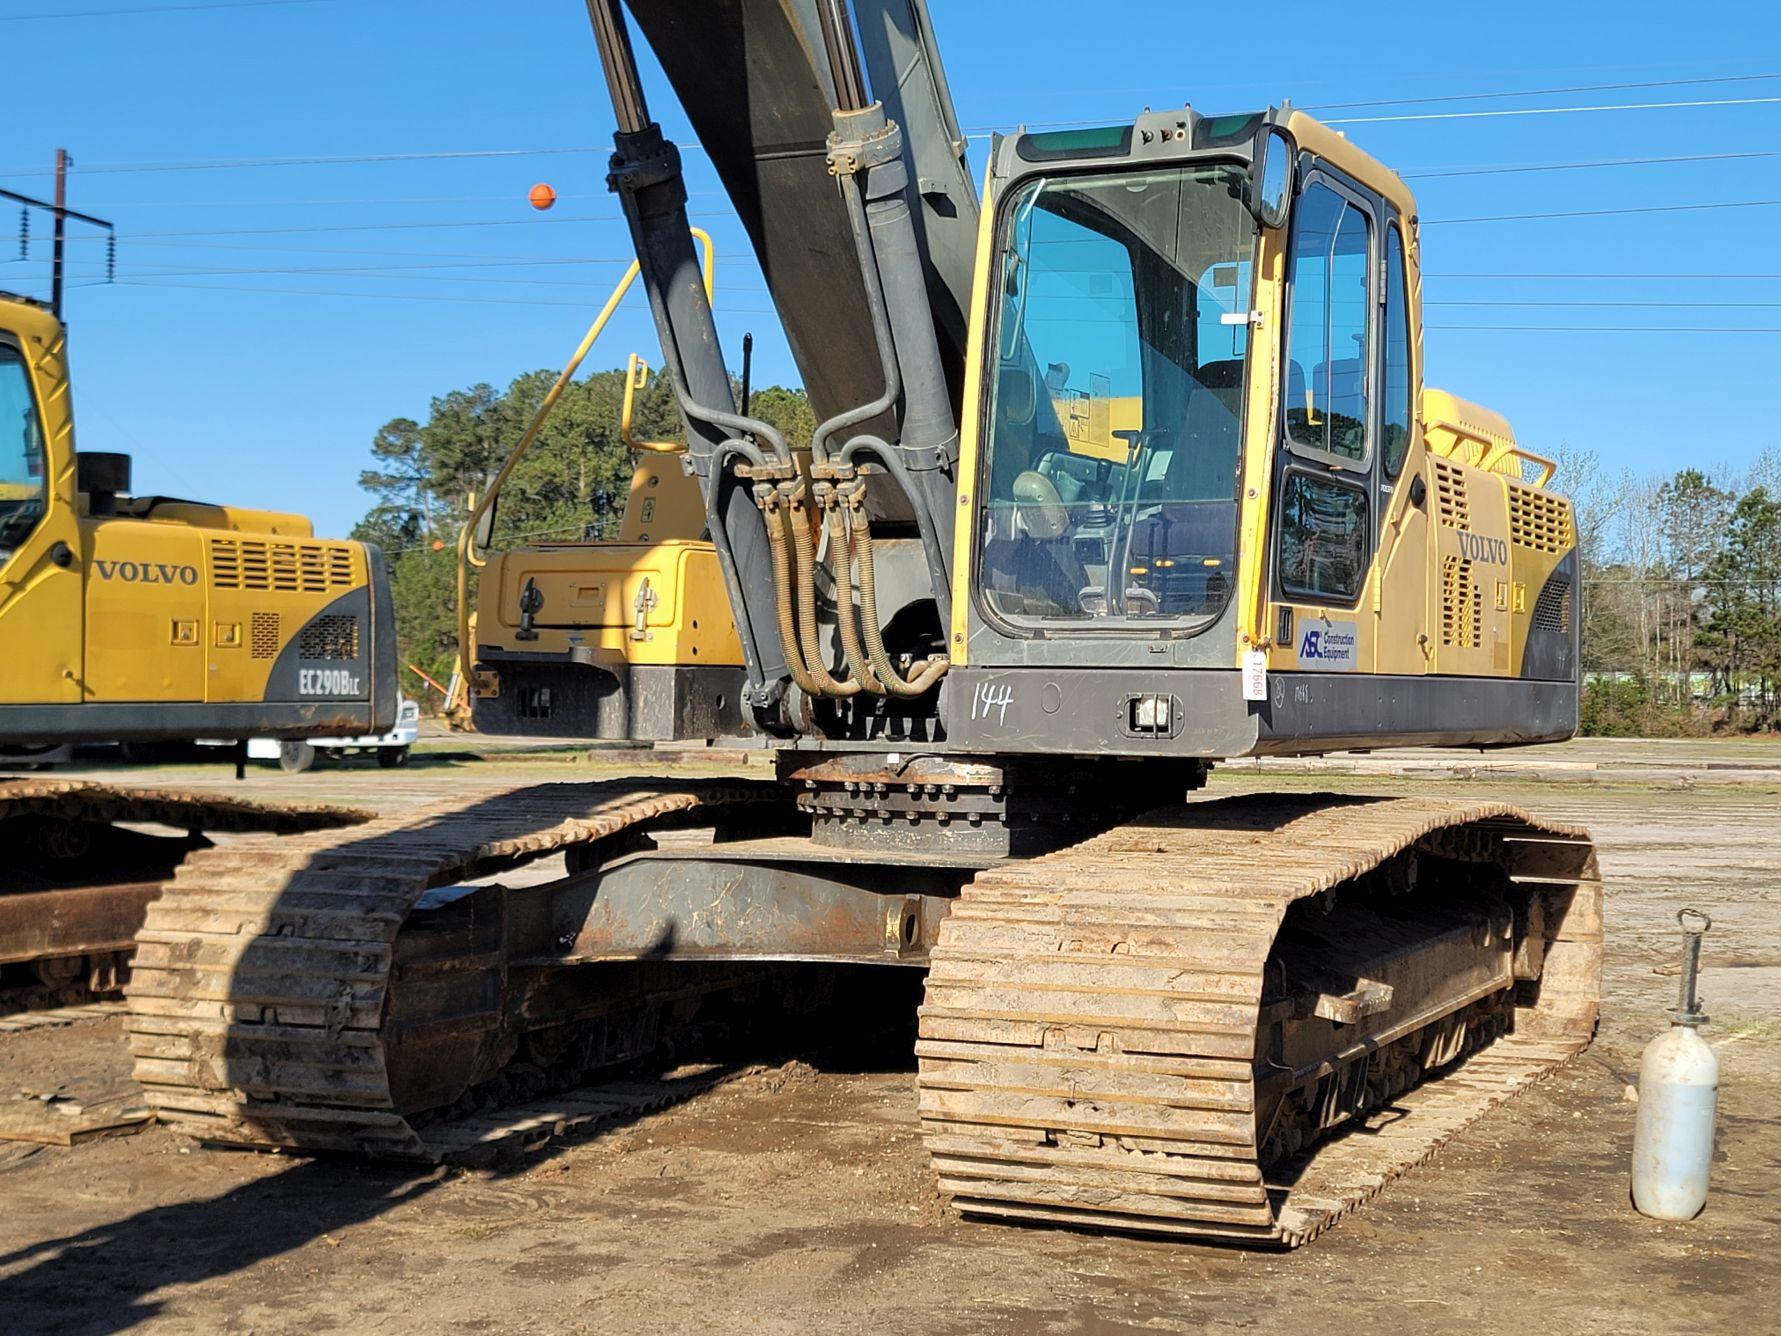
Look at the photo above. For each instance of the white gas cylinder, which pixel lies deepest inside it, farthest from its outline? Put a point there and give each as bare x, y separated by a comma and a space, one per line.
1678, 1100
1673, 1138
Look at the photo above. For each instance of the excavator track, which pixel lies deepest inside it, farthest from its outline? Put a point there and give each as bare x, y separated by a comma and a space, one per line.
1100, 1044
1214, 1021
277, 999
78, 880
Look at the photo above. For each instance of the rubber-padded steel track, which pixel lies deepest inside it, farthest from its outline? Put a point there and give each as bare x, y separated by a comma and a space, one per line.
1089, 1041
83, 800
264, 975
78, 878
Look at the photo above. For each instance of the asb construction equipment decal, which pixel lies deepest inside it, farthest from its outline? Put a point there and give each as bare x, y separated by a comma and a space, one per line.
1328, 645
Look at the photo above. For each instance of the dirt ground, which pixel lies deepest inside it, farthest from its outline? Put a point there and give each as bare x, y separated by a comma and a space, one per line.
797, 1198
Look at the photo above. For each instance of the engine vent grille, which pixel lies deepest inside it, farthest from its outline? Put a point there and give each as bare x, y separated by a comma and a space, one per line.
1452, 505
335, 636
280, 565
1552, 610
263, 635
1539, 520
1462, 605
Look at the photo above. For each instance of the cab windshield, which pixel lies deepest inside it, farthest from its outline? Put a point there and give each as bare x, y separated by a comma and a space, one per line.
1116, 399
22, 483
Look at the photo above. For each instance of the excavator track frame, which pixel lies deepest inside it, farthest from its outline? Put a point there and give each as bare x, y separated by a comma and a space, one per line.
1094, 1044
275, 1002
79, 884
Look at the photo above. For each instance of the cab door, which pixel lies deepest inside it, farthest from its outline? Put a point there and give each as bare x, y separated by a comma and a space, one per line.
1400, 606
1326, 517
40, 578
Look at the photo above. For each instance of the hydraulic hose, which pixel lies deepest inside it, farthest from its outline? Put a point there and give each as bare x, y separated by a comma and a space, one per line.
894, 683
887, 455
773, 514
841, 542
809, 645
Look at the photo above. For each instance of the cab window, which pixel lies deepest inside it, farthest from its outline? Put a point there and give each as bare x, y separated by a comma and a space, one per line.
1326, 391
1323, 537
23, 488
1116, 398
1398, 407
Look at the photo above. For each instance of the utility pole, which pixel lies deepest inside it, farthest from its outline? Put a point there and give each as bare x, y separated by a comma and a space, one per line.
55, 291
62, 213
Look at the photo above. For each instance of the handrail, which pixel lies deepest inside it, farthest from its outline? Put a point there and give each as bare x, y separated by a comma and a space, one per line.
468, 557
1470, 446
636, 378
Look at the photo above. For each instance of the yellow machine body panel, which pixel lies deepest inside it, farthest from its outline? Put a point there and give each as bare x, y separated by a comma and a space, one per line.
663, 503
241, 519
40, 594
151, 617
661, 602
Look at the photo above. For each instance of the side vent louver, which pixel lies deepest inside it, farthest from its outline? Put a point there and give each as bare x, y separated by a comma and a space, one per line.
1462, 605
332, 637
263, 635
280, 565
1452, 506
1539, 520
1552, 610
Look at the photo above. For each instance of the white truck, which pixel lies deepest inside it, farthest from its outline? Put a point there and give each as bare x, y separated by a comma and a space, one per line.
294, 756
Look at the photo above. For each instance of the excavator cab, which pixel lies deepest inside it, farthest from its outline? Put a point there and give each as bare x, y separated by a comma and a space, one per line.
1198, 440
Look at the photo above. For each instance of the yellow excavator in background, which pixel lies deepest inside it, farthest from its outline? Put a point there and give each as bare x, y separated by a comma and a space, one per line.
140, 619
1124, 466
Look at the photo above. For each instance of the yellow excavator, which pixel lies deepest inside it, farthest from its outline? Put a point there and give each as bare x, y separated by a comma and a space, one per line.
1124, 466
142, 619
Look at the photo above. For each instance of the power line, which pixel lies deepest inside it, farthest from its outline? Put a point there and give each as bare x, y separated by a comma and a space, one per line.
325, 160
319, 160
1540, 92
982, 131
1554, 111
1693, 306
725, 310
156, 9
337, 159
1441, 172
1691, 277
722, 310
718, 213
1607, 213
406, 271
388, 227
1615, 329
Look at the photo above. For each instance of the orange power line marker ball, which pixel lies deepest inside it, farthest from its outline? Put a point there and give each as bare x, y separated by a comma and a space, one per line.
542, 196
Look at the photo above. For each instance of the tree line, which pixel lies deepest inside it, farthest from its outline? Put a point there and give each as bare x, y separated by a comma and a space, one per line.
1681, 597
570, 486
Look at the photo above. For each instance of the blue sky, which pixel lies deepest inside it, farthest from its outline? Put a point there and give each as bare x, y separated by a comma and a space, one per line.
229, 379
